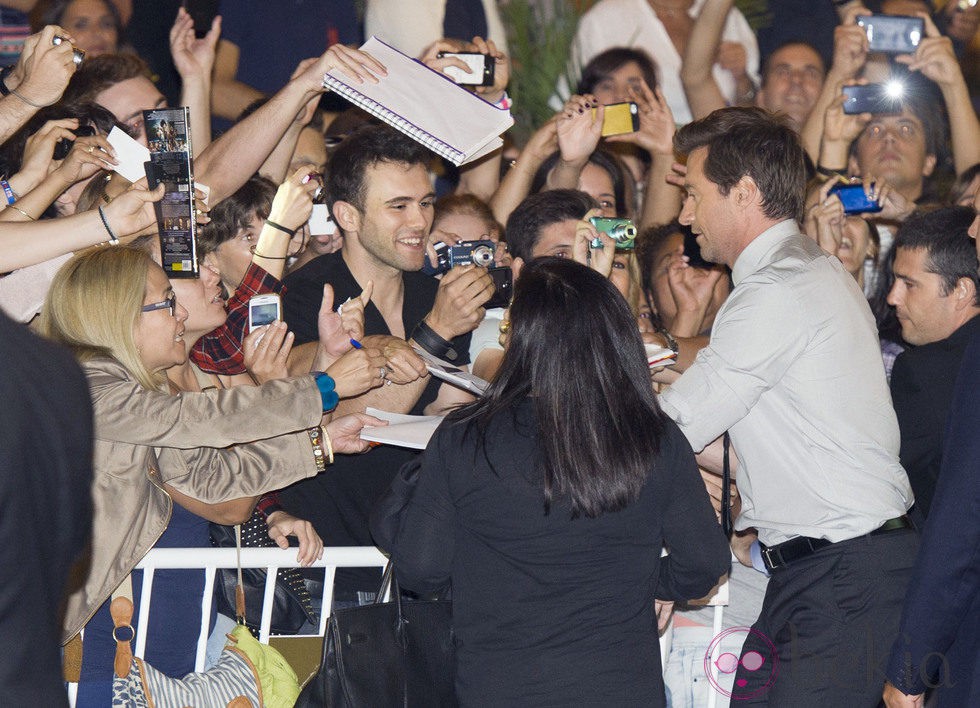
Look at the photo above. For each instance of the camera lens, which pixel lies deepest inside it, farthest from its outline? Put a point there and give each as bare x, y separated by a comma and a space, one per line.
483, 256
57, 39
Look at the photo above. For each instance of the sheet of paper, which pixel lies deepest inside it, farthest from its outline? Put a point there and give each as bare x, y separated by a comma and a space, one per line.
411, 431
453, 374
129, 153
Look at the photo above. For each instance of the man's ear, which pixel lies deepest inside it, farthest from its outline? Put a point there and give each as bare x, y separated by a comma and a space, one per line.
347, 216
853, 168
745, 193
929, 165
965, 291
515, 266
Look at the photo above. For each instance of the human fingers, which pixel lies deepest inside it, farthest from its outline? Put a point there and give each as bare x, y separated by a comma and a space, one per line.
358, 65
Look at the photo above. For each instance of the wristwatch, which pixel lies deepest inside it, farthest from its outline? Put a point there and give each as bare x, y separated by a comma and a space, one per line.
671, 342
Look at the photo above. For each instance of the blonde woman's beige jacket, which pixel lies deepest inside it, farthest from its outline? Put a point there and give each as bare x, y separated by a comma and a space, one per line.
214, 446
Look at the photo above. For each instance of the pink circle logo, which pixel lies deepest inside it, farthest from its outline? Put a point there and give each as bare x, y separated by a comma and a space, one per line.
765, 661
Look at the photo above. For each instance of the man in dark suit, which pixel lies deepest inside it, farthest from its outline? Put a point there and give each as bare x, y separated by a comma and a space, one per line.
936, 299
45, 507
939, 641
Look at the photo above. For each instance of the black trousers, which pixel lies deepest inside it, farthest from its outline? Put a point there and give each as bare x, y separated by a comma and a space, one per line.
827, 625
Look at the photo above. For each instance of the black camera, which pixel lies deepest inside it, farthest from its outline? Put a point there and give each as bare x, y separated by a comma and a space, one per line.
463, 253
63, 146
880, 99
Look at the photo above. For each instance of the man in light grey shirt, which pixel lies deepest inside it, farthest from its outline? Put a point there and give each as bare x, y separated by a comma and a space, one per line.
793, 371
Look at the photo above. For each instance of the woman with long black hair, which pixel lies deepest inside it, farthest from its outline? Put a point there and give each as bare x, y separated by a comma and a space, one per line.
546, 504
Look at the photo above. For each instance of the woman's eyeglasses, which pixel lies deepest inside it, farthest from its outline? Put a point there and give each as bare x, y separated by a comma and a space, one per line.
169, 304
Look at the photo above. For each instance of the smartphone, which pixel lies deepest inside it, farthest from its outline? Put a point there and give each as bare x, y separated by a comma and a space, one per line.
503, 283
63, 146
871, 98
892, 34
263, 310
203, 13
855, 199
481, 68
620, 118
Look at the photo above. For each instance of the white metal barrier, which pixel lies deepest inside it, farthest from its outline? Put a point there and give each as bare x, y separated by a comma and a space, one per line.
211, 559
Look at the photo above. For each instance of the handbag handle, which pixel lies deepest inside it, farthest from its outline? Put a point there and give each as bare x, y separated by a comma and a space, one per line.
390, 583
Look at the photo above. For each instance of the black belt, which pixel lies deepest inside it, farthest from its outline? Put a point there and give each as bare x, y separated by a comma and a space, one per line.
782, 554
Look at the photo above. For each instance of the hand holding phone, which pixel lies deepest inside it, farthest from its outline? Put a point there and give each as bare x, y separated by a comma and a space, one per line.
481, 68
892, 34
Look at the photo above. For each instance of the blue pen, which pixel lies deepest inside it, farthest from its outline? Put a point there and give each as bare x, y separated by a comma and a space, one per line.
354, 343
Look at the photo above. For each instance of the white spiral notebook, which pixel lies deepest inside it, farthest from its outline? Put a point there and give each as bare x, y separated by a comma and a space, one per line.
425, 105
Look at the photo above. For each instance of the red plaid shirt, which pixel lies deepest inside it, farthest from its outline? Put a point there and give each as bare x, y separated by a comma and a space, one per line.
220, 350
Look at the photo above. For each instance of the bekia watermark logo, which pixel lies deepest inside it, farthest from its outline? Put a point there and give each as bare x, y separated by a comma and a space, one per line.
761, 660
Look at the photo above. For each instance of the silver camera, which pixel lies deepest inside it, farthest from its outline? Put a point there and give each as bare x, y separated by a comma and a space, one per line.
77, 54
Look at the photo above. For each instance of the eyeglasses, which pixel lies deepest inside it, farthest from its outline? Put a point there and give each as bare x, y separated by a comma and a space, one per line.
170, 304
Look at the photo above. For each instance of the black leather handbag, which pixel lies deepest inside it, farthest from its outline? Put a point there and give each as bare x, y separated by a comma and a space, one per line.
396, 653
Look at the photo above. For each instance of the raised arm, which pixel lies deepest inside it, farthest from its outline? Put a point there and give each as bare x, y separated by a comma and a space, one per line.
703, 94
935, 60
37, 80
24, 244
194, 60
516, 184
231, 159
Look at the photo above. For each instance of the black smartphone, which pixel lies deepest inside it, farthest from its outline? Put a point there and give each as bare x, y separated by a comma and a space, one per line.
872, 98
503, 283
481, 68
892, 34
63, 146
855, 199
203, 13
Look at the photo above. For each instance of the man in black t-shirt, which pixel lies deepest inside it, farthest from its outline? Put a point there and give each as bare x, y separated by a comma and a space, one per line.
381, 198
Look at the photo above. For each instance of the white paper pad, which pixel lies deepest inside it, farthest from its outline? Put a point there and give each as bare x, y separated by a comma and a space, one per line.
412, 431
129, 154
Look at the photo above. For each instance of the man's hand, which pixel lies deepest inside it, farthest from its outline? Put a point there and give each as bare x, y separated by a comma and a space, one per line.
894, 698
345, 432
193, 57
458, 307
44, 68
404, 364
281, 525
733, 58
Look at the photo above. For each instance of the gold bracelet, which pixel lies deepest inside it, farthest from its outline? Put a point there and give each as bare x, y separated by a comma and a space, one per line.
329, 445
17, 208
318, 457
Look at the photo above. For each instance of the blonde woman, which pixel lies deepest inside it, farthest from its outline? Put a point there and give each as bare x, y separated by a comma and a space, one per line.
116, 310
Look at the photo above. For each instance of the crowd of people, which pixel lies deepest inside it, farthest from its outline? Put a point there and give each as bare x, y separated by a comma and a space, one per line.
811, 268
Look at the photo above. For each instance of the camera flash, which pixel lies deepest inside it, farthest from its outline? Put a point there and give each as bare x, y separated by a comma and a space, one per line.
894, 89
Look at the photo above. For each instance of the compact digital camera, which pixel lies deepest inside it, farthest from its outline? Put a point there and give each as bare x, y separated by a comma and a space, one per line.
463, 253
622, 231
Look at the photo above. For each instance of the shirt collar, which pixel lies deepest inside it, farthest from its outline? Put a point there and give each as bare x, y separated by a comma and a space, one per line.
754, 255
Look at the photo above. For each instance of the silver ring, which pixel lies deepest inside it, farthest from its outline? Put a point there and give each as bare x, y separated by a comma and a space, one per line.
383, 372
